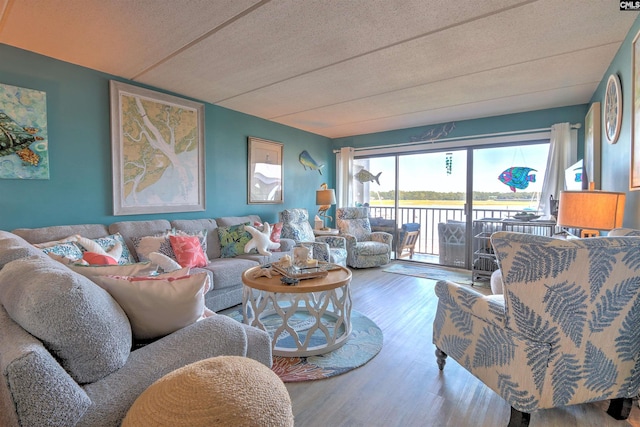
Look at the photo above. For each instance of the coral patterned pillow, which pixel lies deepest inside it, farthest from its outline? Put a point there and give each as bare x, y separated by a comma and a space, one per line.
188, 251
94, 258
276, 230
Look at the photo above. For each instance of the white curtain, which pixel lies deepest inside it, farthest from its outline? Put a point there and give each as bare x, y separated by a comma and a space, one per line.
344, 172
562, 154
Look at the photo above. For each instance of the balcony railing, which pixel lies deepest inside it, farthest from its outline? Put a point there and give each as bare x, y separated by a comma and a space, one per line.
429, 218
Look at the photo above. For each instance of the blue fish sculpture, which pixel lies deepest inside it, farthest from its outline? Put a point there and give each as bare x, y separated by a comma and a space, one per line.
307, 161
517, 177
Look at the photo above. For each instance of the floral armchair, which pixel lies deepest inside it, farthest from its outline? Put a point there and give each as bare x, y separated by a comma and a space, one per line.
566, 330
295, 225
364, 247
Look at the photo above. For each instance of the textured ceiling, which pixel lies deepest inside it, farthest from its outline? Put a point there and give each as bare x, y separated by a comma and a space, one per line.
338, 67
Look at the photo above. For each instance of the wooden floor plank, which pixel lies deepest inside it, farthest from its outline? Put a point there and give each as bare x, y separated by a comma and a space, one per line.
402, 385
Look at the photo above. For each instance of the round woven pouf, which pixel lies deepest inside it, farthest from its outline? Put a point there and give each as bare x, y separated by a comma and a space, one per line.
221, 391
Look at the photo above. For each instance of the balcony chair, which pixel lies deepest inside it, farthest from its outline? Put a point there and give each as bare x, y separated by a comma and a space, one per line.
451, 243
295, 225
564, 332
364, 248
409, 234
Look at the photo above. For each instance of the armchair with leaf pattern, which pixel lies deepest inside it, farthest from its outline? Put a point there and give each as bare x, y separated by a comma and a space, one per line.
364, 248
566, 331
295, 225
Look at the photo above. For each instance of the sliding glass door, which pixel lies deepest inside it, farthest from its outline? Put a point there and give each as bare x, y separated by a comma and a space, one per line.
424, 191
443, 192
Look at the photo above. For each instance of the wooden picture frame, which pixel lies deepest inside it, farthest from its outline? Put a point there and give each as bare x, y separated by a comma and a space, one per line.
592, 145
157, 143
264, 172
634, 169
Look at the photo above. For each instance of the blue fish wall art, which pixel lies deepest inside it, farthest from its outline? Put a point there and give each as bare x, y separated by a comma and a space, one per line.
307, 162
517, 177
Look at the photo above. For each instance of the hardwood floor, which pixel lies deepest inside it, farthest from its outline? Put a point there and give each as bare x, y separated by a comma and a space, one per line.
402, 385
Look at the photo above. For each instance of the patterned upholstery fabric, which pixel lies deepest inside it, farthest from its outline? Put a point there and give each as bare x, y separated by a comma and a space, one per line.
364, 248
566, 330
295, 225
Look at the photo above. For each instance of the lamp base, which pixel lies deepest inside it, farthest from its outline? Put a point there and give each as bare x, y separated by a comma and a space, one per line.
589, 233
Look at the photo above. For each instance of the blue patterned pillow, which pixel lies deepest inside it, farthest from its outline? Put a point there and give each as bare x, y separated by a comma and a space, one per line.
108, 242
67, 250
232, 240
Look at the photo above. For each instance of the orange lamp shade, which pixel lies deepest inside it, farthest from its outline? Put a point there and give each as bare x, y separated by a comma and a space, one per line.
325, 197
596, 210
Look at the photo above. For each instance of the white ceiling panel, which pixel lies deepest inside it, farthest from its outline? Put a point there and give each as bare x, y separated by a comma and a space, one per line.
504, 82
121, 37
338, 68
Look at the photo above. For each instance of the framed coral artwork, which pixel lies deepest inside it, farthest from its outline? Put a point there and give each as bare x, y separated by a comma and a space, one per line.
24, 147
157, 143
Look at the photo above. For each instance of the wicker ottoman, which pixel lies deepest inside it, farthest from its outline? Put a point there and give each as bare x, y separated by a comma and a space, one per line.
221, 391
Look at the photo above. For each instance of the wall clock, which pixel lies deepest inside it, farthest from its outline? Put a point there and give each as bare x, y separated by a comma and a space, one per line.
612, 114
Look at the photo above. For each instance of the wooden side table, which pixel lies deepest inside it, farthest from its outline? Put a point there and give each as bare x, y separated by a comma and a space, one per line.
318, 301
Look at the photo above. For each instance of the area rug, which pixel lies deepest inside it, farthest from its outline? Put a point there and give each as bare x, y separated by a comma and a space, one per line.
429, 272
363, 344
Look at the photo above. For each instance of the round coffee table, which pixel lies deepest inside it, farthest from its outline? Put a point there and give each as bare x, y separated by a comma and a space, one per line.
309, 318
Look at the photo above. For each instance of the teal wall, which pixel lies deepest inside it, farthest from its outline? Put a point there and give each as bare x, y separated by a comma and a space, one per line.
616, 158
80, 186
497, 124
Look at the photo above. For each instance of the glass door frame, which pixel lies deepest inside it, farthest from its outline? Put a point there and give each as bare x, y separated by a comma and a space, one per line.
469, 144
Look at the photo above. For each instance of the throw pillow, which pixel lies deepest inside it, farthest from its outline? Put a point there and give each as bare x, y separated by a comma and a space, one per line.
188, 250
79, 323
276, 231
260, 240
161, 243
164, 262
201, 235
136, 269
158, 306
94, 258
233, 239
109, 242
67, 250
147, 244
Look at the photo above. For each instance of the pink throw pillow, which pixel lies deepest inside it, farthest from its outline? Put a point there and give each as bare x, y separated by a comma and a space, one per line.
276, 230
98, 259
188, 251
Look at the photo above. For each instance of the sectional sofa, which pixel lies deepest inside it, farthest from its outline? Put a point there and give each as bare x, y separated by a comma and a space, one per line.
224, 270
68, 356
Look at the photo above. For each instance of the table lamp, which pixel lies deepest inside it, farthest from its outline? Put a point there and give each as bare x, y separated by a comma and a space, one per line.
325, 198
591, 211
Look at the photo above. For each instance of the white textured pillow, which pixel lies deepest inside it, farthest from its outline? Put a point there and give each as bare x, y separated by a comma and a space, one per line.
89, 245
158, 306
166, 263
137, 269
